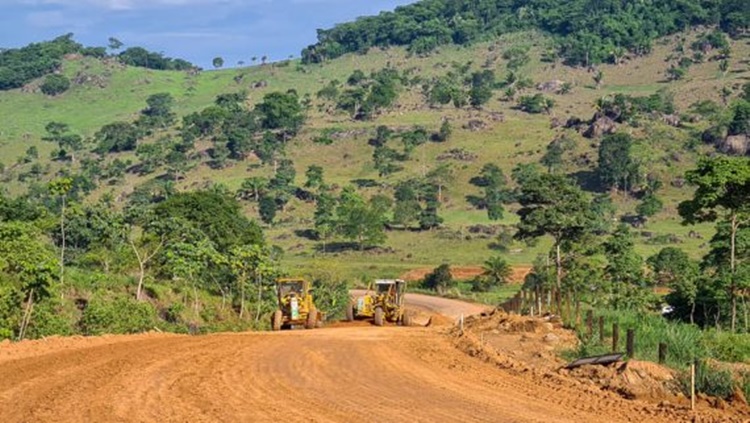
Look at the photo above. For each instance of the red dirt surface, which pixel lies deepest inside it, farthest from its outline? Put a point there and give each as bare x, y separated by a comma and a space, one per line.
465, 273
344, 374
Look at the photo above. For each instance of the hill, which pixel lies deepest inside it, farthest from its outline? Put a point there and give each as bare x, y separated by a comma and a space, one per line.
110, 92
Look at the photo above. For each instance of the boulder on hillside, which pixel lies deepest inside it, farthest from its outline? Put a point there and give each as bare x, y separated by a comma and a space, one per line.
601, 126
550, 86
672, 120
735, 144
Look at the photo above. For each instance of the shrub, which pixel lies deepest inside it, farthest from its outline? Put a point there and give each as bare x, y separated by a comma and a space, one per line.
55, 85
120, 315
535, 103
709, 381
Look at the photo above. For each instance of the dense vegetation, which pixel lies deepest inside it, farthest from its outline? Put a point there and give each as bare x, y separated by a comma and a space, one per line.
22, 65
586, 31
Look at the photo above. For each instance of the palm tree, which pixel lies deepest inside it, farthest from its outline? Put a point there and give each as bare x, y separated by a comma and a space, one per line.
496, 271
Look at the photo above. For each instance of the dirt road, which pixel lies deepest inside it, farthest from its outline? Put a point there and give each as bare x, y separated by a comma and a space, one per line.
345, 374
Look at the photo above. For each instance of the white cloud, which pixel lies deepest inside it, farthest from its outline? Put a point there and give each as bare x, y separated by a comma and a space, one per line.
134, 4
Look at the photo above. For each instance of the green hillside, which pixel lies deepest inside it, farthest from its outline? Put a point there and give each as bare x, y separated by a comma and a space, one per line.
112, 92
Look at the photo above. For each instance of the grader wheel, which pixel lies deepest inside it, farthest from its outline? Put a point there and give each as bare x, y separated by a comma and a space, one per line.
405, 320
379, 316
350, 313
276, 321
312, 319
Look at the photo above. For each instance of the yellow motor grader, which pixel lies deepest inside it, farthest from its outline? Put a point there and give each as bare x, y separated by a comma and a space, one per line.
295, 305
383, 302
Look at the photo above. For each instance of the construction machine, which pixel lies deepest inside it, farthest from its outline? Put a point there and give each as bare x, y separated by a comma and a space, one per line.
383, 302
295, 305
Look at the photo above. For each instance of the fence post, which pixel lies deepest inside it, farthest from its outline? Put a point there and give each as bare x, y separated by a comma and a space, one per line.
601, 329
662, 352
615, 336
631, 343
590, 323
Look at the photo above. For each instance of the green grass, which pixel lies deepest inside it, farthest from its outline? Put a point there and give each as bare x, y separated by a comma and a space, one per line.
686, 343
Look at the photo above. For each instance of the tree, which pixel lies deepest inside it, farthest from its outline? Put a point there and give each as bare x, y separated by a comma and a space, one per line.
441, 279
114, 44
553, 157
553, 205
441, 176
55, 84
495, 272
218, 62
617, 167
535, 104
649, 206
252, 188
445, 132
145, 248
158, 112
723, 192
598, 78
68, 143
624, 270
26, 258
314, 176
61, 187
117, 137
360, 220
281, 111
672, 267
494, 184
428, 217
326, 221
407, 208
251, 261
267, 208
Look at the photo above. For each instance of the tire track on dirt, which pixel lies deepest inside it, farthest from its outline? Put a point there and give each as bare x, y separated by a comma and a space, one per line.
343, 374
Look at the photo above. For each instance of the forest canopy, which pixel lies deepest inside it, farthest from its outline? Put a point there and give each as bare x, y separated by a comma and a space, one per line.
587, 31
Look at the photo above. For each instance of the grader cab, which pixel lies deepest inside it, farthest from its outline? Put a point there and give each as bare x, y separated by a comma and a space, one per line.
295, 305
383, 302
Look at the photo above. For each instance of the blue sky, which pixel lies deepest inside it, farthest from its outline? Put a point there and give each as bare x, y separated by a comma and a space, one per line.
196, 30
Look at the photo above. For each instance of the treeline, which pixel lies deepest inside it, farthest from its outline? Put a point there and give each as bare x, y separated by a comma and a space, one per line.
189, 261
587, 31
19, 66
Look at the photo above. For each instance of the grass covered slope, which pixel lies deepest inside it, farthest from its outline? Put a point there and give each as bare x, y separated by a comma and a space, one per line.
105, 91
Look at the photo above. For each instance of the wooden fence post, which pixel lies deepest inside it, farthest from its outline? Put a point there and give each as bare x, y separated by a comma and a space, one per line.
662, 353
615, 336
590, 323
631, 343
601, 329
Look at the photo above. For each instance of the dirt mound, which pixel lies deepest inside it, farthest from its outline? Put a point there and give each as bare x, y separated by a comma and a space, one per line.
531, 347
633, 380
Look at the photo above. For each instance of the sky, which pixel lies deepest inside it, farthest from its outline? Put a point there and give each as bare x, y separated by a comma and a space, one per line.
195, 30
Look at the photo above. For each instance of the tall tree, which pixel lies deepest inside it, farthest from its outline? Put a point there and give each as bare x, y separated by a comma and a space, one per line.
723, 192
61, 188
553, 205
672, 267
617, 167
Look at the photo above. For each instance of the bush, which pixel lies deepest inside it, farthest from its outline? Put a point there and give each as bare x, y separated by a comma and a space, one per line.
121, 315
10, 310
535, 104
440, 279
55, 85
52, 317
